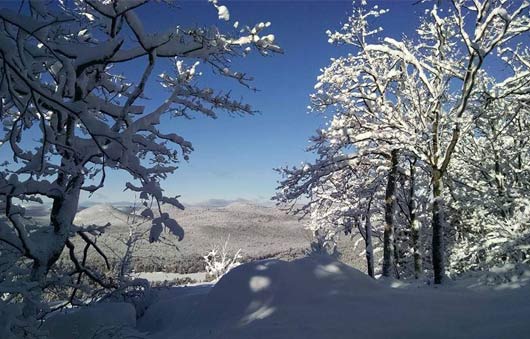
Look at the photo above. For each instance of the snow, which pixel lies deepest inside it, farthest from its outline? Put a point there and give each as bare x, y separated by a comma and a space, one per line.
99, 321
171, 309
223, 13
319, 297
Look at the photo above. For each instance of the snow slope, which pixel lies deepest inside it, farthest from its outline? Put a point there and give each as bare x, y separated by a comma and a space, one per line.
319, 297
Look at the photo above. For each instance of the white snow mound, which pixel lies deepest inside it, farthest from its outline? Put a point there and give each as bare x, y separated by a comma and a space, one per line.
257, 290
319, 297
314, 277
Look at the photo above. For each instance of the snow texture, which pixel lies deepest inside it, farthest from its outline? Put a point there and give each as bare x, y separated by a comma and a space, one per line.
98, 321
319, 297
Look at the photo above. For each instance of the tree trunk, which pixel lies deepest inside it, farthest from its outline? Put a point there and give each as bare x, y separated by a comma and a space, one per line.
438, 251
414, 224
396, 255
390, 199
61, 218
32, 306
369, 247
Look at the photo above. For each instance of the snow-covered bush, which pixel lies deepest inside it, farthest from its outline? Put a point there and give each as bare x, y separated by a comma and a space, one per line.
493, 242
324, 241
488, 193
219, 261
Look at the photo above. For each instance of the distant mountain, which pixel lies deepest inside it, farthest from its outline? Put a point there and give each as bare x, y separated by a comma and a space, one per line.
214, 203
121, 205
101, 215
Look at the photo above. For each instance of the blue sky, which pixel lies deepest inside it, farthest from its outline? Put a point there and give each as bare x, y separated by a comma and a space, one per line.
234, 156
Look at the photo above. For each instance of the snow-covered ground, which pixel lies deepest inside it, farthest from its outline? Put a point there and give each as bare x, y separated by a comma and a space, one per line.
319, 297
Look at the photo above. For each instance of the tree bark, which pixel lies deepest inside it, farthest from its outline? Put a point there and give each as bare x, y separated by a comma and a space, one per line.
438, 250
396, 255
369, 246
390, 199
414, 224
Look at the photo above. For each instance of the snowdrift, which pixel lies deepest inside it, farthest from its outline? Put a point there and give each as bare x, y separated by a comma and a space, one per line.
260, 288
101, 321
319, 297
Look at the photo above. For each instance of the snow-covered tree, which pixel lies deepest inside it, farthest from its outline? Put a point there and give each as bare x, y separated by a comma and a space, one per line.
345, 202
417, 96
69, 116
218, 261
490, 192
350, 136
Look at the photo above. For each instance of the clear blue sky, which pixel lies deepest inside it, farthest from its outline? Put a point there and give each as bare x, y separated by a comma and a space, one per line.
234, 156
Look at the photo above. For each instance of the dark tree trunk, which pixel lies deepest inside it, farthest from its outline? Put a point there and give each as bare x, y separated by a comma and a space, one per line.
369, 247
438, 263
397, 256
390, 202
414, 224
